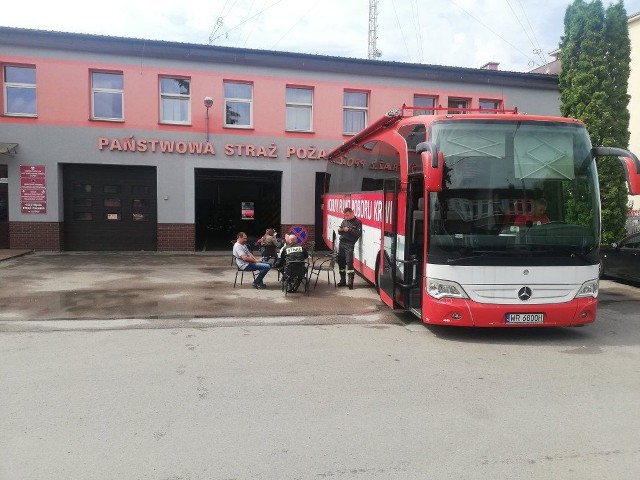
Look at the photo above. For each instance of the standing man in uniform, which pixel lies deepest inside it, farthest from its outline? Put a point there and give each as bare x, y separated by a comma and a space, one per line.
349, 231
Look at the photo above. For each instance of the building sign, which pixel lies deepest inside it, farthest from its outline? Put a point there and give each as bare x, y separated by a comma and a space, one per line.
33, 189
247, 150
248, 211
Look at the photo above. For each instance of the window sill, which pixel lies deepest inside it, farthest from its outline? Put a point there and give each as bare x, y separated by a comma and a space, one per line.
239, 127
110, 120
300, 131
176, 124
21, 115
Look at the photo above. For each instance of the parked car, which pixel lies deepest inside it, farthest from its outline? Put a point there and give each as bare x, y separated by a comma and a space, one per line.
622, 259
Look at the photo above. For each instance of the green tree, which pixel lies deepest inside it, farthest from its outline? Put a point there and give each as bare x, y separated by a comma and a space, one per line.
595, 54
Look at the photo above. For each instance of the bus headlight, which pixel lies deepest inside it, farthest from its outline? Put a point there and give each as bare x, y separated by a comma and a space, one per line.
444, 288
588, 289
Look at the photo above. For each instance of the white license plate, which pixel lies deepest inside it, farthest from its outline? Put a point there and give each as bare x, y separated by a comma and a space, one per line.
525, 318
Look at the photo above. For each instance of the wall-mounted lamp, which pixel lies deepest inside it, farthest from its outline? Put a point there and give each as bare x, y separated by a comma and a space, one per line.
208, 103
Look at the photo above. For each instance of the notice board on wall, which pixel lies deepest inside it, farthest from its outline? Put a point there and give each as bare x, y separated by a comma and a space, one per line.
33, 189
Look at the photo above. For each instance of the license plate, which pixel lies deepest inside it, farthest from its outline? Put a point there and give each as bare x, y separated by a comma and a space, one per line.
525, 318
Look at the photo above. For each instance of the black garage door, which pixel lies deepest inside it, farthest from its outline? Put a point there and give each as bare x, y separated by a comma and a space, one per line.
109, 207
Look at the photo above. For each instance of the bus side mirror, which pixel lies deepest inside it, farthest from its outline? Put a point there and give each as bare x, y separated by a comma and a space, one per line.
630, 163
432, 163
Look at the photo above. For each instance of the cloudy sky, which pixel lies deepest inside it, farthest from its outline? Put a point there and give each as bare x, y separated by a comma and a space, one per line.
519, 34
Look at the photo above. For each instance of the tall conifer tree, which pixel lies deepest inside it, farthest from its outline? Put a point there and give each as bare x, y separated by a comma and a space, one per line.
595, 54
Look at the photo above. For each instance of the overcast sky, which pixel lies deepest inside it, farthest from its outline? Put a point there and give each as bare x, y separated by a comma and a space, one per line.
518, 34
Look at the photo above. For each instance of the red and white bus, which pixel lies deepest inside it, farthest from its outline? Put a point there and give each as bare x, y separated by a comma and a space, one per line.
438, 196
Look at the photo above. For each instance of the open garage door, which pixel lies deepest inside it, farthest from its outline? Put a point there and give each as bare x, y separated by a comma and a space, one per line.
220, 197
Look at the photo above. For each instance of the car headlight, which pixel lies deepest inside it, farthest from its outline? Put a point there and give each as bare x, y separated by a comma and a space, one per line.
588, 289
444, 288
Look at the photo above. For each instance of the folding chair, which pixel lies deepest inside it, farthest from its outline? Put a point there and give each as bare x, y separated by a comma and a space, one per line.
325, 263
241, 272
295, 270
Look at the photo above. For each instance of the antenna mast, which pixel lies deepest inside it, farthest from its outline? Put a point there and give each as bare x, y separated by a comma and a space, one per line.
373, 30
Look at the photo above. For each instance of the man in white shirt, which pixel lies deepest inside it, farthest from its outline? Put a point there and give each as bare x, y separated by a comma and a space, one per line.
248, 262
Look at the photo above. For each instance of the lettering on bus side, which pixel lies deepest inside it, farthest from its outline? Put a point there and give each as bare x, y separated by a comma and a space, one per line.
368, 210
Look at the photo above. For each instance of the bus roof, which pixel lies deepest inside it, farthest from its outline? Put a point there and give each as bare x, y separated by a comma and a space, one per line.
403, 116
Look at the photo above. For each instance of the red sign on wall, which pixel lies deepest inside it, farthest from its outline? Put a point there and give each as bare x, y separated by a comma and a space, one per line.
33, 189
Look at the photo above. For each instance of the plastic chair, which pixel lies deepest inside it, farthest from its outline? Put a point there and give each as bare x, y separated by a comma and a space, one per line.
325, 263
293, 271
241, 272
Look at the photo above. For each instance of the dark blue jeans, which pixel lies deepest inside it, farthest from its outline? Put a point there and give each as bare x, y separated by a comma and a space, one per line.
261, 268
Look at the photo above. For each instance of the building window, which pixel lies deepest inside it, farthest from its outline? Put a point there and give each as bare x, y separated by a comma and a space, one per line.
20, 91
238, 105
107, 96
492, 104
356, 107
299, 109
175, 100
455, 103
424, 101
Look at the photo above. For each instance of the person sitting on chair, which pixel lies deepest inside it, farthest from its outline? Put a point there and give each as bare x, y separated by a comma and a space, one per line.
268, 245
536, 217
292, 252
248, 262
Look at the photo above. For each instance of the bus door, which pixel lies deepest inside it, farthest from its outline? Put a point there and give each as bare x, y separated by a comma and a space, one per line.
413, 263
389, 240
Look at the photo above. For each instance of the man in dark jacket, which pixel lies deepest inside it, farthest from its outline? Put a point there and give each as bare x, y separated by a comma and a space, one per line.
349, 231
292, 252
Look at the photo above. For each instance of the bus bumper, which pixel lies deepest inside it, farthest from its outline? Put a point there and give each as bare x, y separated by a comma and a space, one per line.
466, 313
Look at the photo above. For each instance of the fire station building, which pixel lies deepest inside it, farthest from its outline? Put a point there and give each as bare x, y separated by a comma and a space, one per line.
113, 143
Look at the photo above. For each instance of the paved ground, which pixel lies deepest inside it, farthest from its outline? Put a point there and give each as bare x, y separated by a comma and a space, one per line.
152, 286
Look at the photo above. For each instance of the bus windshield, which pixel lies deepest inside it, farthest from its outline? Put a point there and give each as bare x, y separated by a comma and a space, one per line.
521, 191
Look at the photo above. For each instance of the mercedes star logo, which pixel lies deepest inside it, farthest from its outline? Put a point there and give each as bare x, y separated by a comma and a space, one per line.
524, 293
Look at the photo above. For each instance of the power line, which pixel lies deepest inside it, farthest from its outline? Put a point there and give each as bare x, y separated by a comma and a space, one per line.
416, 21
537, 43
211, 38
404, 39
495, 33
296, 23
250, 31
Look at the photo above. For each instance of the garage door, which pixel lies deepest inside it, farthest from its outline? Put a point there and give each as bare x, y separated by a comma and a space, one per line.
110, 208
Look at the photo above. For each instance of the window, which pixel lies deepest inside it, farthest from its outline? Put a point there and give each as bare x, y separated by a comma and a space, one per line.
422, 101
455, 103
20, 91
356, 105
107, 97
238, 105
299, 109
492, 104
175, 100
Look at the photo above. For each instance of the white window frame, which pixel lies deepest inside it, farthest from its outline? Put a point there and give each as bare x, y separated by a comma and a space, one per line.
299, 106
424, 112
174, 96
7, 85
350, 108
455, 110
496, 103
249, 101
95, 90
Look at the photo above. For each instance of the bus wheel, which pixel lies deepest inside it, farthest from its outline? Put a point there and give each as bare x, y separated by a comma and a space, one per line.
378, 274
